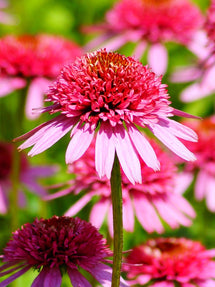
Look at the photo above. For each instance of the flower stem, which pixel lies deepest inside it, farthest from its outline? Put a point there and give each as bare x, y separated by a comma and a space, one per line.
116, 193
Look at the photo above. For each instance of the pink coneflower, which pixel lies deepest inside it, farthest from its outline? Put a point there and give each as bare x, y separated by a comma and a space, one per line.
150, 23
204, 166
108, 95
28, 178
169, 261
155, 197
55, 246
35, 59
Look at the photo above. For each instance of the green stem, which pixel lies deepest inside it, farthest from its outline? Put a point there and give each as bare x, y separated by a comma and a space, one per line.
116, 192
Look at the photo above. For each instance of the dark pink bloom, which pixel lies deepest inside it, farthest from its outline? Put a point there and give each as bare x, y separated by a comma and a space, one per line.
108, 95
150, 23
29, 176
37, 59
204, 166
167, 261
157, 196
54, 246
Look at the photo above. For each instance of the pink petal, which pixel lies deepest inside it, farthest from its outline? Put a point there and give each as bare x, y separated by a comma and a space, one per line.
168, 139
35, 96
183, 114
147, 215
79, 143
128, 215
158, 59
210, 193
143, 147
199, 44
179, 130
127, 155
139, 50
53, 278
114, 43
170, 214
103, 274
10, 279
77, 279
195, 92
8, 85
104, 150
182, 182
75, 208
182, 204
185, 74
39, 280
200, 189
98, 212
50, 135
163, 284
3, 204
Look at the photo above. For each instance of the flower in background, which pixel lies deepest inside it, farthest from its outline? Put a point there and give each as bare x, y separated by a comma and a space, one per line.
204, 167
34, 61
5, 18
157, 197
55, 246
171, 261
28, 177
148, 23
203, 71
109, 95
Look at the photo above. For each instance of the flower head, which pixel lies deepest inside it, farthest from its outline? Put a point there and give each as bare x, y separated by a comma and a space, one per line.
110, 93
54, 246
28, 177
167, 261
150, 22
36, 58
204, 166
155, 197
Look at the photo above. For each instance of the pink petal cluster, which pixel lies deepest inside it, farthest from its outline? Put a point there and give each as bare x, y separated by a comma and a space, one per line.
54, 246
109, 95
170, 261
204, 166
155, 198
202, 72
29, 176
35, 58
149, 22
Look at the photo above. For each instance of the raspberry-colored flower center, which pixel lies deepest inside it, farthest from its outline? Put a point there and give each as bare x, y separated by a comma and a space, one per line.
59, 241
108, 86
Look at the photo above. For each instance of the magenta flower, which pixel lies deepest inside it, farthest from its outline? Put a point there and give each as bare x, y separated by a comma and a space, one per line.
167, 261
113, 94
204, 167
157, 197
148, 23
55, 246
29, 176
37, 59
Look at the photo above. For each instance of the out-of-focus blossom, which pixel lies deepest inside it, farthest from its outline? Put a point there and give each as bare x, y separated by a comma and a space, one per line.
203, 71
204, 167
54, 246
165, 262
33, 61
28, 177
5, 17
149, 24
109, 95
155, 197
